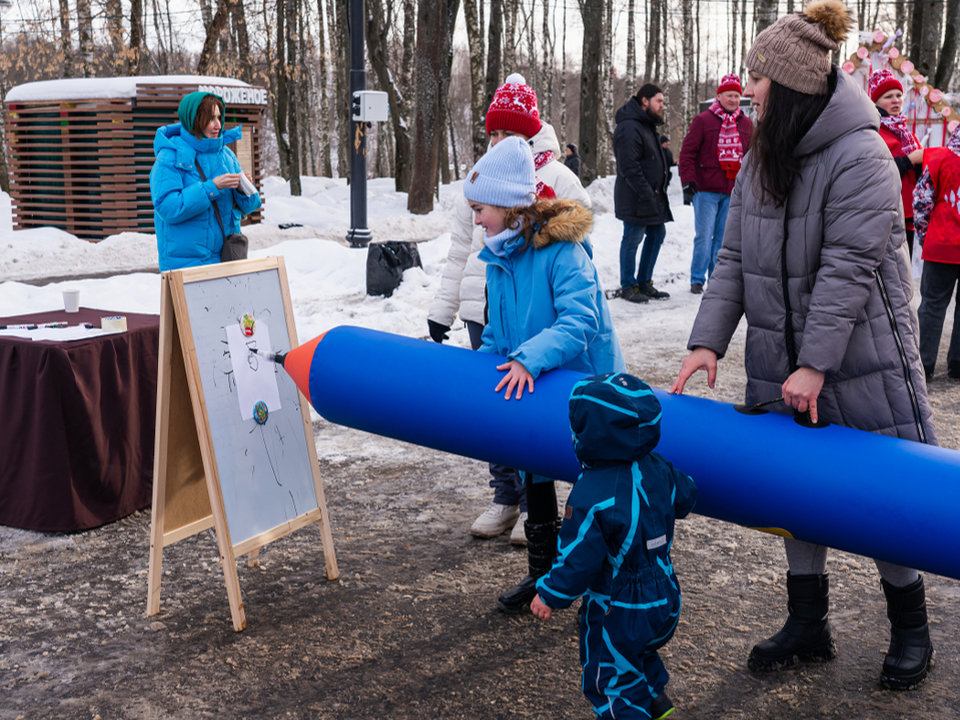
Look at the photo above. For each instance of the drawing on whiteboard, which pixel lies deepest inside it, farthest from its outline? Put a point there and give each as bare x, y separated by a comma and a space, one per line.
255, 381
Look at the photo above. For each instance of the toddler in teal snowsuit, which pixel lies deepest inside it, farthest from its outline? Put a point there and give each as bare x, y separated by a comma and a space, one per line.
614, 547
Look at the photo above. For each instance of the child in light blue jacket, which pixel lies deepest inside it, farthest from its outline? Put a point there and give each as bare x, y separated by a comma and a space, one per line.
546, 310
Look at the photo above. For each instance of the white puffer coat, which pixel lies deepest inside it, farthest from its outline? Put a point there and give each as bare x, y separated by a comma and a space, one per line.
464, 278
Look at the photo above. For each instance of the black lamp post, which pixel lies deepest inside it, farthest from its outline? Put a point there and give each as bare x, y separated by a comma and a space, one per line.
359, 234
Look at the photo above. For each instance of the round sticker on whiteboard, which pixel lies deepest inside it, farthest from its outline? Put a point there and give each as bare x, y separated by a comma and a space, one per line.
260, 412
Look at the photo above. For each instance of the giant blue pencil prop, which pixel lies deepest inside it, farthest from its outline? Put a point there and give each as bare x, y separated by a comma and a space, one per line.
857, 491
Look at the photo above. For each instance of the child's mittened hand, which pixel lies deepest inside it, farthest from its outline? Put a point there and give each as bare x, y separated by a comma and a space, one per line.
539, 608
517, 376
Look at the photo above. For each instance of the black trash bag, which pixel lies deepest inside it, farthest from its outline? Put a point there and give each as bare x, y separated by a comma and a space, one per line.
385, 265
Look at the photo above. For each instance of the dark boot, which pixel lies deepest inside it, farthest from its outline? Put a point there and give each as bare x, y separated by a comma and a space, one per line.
911, 652
541, 550
806, 634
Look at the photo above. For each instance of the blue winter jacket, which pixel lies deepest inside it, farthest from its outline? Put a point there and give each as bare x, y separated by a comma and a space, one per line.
545, 304
188, 233
617, 530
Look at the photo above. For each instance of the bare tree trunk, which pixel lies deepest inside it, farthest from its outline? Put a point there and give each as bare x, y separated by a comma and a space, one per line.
743, 38
948, 54
409, 44
927, 27
494, 52
478, 136
4, 172
549, 61
66, 51
509, 33
653, 42
326, 169
378, 27
243, 42
427, 80
764, 15
162, 61
292, 73
605, 145
563, 77
589, 92
341, 69
136, 37
207, 54
85, 26
734, 19
114, 17
283, 97
688, 95
631, 77
449, 19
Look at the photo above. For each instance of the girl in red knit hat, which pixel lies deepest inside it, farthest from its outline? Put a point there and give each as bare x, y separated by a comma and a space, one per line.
886, 92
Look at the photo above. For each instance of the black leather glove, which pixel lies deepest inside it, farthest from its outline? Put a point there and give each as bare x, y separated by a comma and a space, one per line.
438, 332
689, 190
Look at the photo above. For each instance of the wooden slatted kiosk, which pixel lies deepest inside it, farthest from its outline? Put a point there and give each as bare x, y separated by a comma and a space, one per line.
216, 464
80, 151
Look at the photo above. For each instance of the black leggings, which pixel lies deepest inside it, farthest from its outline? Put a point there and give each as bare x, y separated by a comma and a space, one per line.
541, 500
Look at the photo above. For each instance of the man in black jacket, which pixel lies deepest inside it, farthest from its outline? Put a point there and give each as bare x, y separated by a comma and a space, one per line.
640, 193
572, 160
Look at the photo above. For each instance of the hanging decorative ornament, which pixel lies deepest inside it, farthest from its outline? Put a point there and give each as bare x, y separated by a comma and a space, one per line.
848, 67
918, 79
952, 126
935, 96
924, 90
260, 412
946, 112
878, 36
247, 322
862, 52
893, 53
906, 67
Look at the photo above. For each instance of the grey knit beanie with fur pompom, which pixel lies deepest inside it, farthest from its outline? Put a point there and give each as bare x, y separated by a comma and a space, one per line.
795, 50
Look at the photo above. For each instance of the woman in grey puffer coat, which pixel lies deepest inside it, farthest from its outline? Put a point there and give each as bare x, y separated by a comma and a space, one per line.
842, 342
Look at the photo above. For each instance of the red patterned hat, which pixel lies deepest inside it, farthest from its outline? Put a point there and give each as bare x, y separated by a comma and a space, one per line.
514, 108
883, 81
730, 82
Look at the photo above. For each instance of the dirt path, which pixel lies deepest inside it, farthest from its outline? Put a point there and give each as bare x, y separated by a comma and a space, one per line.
410, 630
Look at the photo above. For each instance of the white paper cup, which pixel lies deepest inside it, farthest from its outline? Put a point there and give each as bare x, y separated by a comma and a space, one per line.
71, 301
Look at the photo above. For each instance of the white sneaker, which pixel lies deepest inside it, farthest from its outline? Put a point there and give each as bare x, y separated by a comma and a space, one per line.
496, 520
519, 534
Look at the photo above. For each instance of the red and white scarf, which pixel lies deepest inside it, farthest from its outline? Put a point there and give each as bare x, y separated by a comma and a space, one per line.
539, 160
897, 124
729, 147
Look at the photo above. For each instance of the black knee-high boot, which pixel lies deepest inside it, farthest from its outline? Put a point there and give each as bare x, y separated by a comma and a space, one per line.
542, 528
911, 652
806, 634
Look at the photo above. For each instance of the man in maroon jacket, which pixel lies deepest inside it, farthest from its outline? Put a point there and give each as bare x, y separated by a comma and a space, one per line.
709, 163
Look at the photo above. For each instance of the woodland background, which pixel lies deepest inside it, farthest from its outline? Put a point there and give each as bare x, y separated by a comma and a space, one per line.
439, 61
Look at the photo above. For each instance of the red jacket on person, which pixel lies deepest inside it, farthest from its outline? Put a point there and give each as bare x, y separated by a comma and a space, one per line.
909, 180
699, 162
942, 241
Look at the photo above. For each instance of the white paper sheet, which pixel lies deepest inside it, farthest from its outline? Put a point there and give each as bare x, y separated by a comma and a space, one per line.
254, 375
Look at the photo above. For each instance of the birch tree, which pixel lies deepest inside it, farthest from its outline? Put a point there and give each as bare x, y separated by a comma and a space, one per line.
66, 51
590, 65
494, 52
764, 15
951, 40
478, 136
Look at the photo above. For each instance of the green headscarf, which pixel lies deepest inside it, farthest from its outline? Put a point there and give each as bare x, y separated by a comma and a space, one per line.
190, 105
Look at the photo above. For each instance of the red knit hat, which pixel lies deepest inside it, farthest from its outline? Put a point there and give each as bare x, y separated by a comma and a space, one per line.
514, 108
883, 81
730, 82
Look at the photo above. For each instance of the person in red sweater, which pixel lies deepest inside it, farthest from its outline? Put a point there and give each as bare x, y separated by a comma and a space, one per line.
886, 92
936, 208
709, 162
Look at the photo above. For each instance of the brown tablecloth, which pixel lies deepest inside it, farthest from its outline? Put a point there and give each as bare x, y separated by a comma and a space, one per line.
76, 449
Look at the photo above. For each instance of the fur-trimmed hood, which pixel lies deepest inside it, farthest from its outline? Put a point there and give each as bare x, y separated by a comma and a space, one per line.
572, 223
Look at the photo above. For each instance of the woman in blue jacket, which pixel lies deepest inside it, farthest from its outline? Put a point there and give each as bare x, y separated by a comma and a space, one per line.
546, 310
188, 233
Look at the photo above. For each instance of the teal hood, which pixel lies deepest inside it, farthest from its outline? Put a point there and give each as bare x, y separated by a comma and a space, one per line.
190, 104
174, 139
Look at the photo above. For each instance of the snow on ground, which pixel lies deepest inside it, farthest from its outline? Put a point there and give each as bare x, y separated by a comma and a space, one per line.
328, 278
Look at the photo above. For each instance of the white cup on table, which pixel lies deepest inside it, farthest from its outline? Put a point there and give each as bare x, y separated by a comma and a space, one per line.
71, 300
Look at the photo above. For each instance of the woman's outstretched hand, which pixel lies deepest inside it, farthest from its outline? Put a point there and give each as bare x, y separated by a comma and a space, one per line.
801, 390
700, 359
227, 180
517, 376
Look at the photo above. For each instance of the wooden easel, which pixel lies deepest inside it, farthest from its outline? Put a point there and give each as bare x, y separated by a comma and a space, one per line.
187, 489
